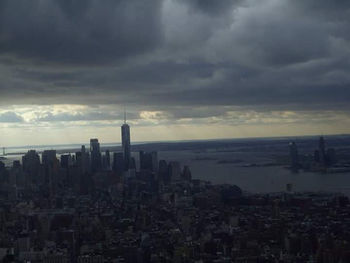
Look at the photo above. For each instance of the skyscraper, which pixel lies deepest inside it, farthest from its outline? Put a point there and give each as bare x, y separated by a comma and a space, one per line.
108, 159
31, 166
163, 172
50, 163
85, 160
96, 161
174, 171
126, 143
66, 160
149, 161
118, 163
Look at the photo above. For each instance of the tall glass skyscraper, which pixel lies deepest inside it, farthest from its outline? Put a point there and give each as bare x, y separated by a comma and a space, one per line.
126, 144
95, 155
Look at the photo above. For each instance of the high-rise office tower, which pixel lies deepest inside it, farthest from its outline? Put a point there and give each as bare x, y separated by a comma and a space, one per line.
51, 165
108, 159
96, 161
142, 157
85, 160
186, 173
174, 171
118, 163
31, 166
126, 144
66, 160
82, 160
16, 176
149, 161
163, 172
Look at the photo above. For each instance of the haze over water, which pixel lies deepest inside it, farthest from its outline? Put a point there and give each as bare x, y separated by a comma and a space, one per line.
259, 179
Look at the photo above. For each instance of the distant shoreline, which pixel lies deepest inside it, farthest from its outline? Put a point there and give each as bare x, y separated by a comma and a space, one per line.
136, 143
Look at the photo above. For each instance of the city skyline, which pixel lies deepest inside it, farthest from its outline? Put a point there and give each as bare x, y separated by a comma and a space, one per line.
144, 131
184, 69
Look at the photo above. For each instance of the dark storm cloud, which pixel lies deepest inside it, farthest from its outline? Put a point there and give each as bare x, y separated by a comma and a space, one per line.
79, 31
321, 97
212, 7
284, 41
334, 10
166, 54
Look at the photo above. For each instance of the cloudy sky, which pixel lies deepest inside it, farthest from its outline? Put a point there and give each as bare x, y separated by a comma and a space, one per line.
184, 69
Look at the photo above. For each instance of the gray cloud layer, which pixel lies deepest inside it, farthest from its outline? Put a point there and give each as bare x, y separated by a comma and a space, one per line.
10, 117
164, 54
79, 31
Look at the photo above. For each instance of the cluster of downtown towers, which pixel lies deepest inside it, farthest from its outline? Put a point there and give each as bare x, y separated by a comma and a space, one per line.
76, 170
121, 161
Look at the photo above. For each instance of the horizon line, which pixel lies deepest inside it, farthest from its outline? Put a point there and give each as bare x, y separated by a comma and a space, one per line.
182, 140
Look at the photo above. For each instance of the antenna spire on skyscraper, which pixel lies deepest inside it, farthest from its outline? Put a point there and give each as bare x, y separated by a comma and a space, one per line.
126, 143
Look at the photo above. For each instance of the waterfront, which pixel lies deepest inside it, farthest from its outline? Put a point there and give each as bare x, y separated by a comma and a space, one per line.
259, 179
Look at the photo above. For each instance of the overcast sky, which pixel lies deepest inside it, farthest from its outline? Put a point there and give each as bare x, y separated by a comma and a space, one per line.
184, 69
